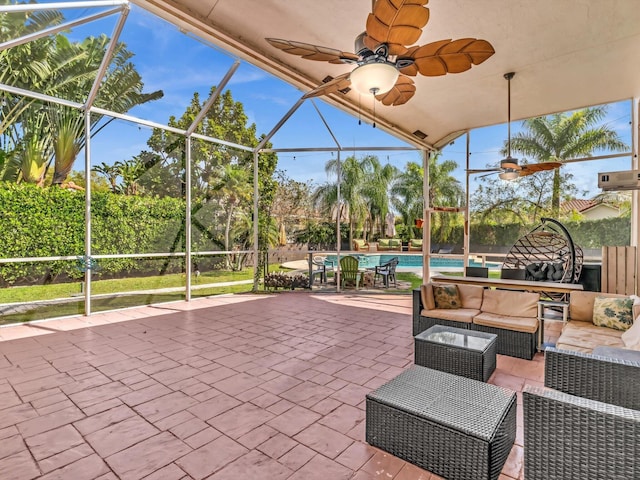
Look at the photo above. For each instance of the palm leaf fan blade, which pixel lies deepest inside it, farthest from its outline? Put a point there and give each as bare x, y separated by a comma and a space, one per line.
400, 94
451, 56
337, 84
397, 23
311, 52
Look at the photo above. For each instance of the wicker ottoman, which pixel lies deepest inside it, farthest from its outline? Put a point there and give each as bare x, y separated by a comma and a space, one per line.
453, 426
459, 351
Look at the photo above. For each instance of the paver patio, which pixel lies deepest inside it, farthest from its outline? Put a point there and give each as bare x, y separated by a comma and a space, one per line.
244, 386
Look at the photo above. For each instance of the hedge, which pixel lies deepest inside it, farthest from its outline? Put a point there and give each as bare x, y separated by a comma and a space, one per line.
36, 222
586, 233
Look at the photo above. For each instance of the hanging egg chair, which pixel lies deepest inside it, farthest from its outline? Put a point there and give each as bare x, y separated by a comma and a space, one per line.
546, 254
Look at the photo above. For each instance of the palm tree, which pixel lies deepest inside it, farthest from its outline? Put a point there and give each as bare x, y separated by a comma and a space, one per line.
376, 191
110, 172
353, 179
406, 196
76, 65
563, 136
444, 191
61, 68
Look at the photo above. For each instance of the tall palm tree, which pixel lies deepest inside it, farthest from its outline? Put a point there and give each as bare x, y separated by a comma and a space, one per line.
444, 191
354, 179
376, 191
406, 195
563, 136
350, 177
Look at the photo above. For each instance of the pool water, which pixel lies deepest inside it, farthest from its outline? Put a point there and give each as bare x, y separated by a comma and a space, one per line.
373, 260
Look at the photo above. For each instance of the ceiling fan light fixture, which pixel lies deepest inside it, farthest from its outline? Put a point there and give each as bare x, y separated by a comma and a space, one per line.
509, 174
374, 78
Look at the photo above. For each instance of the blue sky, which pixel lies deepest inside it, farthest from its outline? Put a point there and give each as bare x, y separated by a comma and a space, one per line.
180, 65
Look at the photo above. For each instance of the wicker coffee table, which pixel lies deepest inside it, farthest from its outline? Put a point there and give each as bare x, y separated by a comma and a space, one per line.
453, 426
455, 350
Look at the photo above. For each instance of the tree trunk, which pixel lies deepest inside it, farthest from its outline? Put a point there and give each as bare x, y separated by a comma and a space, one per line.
555, 198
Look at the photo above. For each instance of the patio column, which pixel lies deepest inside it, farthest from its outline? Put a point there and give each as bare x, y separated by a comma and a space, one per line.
466, 241
426, 225
635, 198
87, 213
187, 219
338, 232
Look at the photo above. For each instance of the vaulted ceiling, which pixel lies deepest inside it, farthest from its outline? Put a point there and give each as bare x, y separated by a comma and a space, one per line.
566, 54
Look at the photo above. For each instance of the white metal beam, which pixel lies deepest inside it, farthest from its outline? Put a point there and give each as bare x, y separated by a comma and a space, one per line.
58, 28
33, 7
106, 59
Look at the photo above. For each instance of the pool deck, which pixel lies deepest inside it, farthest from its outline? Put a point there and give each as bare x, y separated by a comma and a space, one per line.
227, 387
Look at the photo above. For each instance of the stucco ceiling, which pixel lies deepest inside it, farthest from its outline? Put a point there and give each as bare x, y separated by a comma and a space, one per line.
566, 54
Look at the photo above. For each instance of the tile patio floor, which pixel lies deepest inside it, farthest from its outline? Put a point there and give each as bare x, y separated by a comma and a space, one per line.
230, 387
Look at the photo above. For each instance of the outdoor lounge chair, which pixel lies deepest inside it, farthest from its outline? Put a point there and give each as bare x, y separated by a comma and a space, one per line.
415, 245
349, 272
388, 272
360, 245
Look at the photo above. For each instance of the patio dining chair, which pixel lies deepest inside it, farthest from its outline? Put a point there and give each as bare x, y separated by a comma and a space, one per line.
349, 271
321, 266
387, 271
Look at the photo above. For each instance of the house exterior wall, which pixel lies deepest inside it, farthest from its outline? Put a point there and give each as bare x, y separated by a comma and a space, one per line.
599, 212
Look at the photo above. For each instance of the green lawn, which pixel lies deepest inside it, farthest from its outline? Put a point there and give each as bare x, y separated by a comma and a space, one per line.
100, 287
121, 298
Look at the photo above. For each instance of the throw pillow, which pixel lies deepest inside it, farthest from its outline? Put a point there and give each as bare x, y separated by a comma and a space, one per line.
446, 296
613, 312
631, 338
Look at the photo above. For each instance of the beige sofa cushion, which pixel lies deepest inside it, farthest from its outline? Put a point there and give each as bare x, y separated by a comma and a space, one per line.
470, 296
507, 322
464, 315
581, 305
510, 303
426, 295
585, 336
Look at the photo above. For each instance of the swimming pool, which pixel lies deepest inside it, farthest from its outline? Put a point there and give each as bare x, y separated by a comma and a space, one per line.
371, 260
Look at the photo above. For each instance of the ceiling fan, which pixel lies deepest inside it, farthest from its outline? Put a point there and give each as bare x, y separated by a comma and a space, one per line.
384, 58
509, 168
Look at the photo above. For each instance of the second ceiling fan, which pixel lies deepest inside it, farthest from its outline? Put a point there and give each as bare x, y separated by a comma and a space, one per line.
509, 168
385, 58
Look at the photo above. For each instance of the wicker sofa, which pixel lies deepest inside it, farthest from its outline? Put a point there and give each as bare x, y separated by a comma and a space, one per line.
512, 316
580, 334
610, 375
569, 437
593, 361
